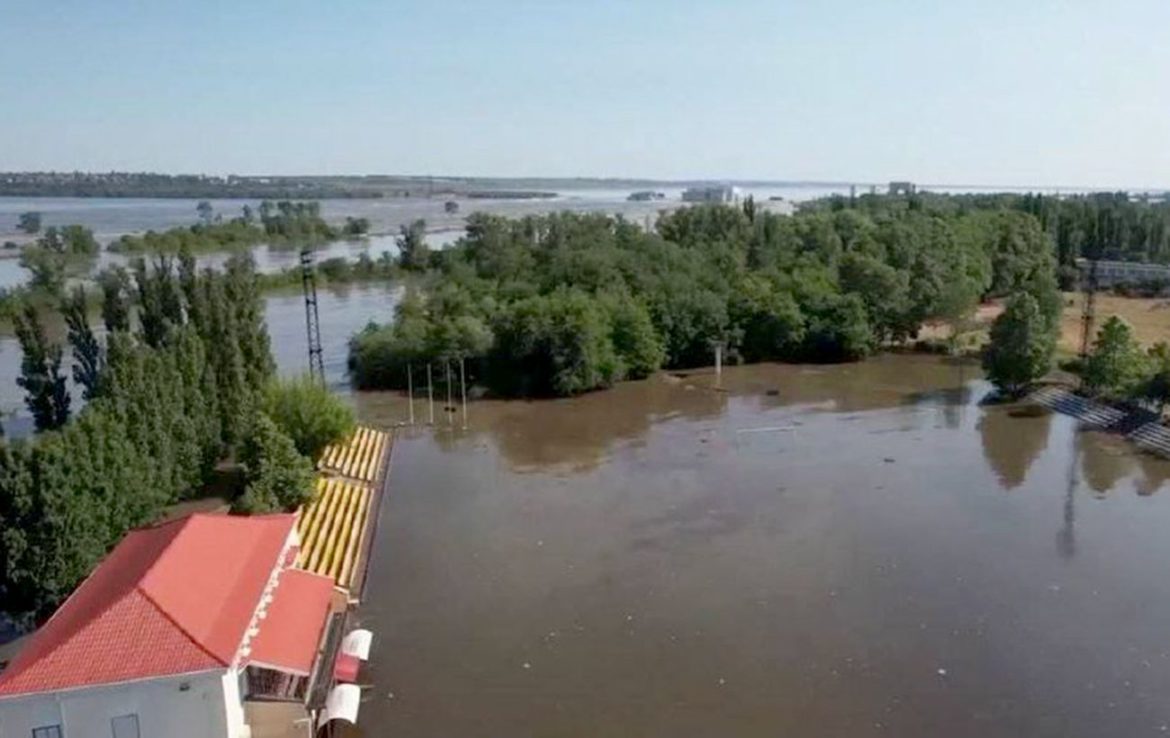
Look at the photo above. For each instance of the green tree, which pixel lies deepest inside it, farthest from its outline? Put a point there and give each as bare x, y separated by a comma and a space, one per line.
46, 394
277, 476
639, 349
559, 344
356, 226
413, 252
206, 212
1117, 365
1021, 345
308, 413
87, 352
956, 305
115, 286
29, 222
47, 268
1154, 388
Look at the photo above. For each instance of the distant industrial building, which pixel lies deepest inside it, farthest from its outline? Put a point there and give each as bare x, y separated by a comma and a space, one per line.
712, 194
1112, 273
902, 188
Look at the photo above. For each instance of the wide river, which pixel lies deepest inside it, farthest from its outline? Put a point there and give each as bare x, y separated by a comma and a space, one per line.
853, 550
344, 310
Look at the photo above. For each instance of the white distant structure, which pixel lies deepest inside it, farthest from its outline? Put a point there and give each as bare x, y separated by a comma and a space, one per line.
712, 194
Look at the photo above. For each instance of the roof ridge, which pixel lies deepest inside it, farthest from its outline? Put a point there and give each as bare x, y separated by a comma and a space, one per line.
178, 626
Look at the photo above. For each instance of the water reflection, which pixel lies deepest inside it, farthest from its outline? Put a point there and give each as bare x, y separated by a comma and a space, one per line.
1105, 460
1013, 437
575, 435
1066, 541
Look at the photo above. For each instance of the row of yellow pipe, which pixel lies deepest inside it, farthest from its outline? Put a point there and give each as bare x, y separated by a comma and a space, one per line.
359, 457
330, 528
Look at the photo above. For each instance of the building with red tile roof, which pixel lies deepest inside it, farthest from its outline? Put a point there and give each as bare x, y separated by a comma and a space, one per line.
172, 634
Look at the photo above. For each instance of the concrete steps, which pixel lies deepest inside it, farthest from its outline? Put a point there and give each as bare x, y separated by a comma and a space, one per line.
1141, 427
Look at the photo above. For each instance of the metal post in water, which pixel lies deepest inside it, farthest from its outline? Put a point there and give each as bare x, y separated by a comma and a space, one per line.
430, 393
463, 391
448, 409
410, 390
718, 361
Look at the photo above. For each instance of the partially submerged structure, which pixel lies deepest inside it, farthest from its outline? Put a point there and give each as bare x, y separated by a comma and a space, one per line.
712, 194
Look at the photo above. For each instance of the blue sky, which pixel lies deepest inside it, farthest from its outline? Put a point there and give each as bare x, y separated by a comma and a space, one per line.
1019, 92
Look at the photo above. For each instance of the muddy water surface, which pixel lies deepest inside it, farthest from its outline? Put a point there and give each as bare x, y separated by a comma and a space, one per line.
831, 551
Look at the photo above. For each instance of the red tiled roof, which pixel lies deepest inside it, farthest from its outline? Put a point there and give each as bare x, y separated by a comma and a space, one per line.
174, 598
291, 631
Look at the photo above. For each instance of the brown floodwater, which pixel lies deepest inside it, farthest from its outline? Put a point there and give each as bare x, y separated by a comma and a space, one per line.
847, 550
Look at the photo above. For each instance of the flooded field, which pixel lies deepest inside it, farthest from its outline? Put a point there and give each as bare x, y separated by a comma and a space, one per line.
810, 551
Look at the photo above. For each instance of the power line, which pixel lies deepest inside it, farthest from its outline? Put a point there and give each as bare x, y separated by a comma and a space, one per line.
312, 319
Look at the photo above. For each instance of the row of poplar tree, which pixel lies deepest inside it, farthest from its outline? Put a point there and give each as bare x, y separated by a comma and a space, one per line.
168, 395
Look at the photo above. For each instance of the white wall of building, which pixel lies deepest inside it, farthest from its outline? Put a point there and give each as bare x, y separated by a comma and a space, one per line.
208, 708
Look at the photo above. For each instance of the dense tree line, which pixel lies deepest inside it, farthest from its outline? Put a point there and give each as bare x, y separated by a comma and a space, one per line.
281, 221
180, 383
565, 303
1099, 225
148, 184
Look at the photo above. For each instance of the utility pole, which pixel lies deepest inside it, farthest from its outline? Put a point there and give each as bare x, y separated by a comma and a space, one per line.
1089, 314
463, 391
410, 391
449, 409
312, 319
430, 393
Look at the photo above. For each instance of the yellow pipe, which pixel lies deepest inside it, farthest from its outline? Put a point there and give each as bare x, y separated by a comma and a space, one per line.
337, 530
326, 524
314, 516
346, 521
358, 524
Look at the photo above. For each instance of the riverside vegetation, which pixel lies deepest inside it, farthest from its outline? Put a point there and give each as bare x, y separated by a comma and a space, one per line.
562, 304
180, 393
284, 221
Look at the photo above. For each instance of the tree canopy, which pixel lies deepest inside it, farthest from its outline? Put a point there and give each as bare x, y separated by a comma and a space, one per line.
1021, 345
166, 402
566, 303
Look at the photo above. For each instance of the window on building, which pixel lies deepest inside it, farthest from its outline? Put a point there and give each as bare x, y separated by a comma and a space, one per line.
49, 731
125, 726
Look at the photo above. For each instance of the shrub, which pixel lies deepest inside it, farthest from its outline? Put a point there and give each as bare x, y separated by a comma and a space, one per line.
277, 476
308, 413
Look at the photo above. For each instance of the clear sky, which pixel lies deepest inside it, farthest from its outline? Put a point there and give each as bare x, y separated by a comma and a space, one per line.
1013, 92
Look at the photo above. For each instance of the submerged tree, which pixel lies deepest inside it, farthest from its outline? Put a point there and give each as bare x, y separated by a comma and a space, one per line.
1117, 365
29, 222
413, 252
1021, 345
